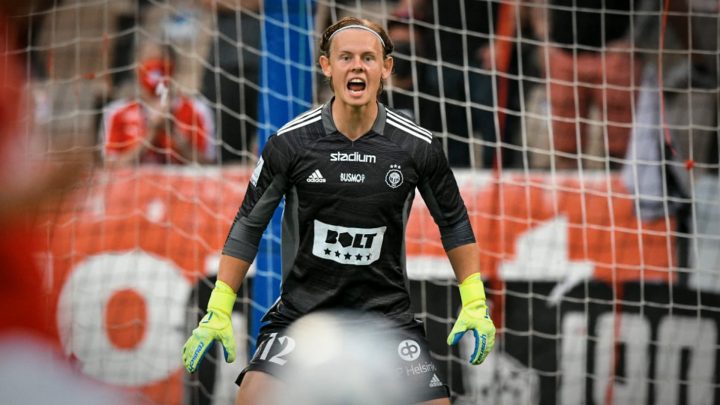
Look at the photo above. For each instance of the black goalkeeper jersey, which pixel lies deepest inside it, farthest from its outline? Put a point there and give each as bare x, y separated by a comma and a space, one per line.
346, 208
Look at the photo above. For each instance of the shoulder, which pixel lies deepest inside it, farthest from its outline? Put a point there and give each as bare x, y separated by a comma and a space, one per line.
295, 136
191, 106
401, 126
304, 121
122, 112
120, 106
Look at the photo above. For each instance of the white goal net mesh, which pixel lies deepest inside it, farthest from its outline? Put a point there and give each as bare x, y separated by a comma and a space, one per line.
583, 135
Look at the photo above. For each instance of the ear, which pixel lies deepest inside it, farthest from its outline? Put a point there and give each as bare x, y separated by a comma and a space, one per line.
387, 67
325, 65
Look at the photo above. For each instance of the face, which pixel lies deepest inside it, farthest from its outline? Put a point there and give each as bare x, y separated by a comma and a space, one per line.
356, 67
154, 72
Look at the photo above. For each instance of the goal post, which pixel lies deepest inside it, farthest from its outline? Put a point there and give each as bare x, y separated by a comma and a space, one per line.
287, 91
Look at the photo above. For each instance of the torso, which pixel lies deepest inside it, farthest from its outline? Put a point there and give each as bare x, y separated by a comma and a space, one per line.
346, 208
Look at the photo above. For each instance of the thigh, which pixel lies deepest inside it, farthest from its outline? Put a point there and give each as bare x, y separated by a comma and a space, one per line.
416, 368
257, 389
443, 401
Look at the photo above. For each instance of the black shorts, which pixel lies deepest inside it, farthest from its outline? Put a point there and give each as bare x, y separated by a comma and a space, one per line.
406, 349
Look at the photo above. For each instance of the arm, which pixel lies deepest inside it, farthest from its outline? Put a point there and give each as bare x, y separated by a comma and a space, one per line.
115, 160
120, 159
127, 138
474, 315
265, 191
442, 197
232, 271
181, 145
464, 260
217, 322
190, 129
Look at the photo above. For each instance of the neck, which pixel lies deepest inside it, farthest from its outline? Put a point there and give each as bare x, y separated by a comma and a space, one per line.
354, 122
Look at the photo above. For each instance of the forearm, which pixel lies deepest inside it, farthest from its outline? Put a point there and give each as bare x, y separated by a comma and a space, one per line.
216, 325
125, 158
474, 314
465, 260
183, 146
232, 271
133, 154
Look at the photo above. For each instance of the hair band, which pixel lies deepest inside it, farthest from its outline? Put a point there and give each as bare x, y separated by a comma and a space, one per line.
360, 27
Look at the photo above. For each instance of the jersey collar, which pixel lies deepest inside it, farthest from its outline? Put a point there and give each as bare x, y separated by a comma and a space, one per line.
329, 124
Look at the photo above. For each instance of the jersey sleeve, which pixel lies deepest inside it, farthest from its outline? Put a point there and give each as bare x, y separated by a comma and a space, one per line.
267, 186
194, 120
122, 128
208, 126
441, 194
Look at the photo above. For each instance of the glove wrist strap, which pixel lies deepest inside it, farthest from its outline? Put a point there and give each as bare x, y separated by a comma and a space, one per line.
472, 289
222, 298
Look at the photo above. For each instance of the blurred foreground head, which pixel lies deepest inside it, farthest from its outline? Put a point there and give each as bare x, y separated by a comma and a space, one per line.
34, 181
341, 357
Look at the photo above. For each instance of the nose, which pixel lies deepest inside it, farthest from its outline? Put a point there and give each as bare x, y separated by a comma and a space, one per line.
357, 64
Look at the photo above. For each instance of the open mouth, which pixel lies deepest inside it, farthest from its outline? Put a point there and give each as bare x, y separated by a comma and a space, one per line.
356, 85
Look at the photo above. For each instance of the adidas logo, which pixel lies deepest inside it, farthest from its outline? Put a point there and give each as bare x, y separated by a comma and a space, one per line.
435, 381
316, 177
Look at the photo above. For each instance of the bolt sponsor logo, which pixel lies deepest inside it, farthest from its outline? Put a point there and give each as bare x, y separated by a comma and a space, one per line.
352, 157
345, 245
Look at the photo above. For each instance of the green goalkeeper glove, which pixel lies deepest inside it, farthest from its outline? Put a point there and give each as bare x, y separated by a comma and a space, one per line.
474, 316
215, 325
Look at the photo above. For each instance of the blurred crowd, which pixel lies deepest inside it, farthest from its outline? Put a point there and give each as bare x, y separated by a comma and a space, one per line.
543, 84
517, 84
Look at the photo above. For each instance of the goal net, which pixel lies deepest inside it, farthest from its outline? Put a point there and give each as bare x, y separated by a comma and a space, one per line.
583, 136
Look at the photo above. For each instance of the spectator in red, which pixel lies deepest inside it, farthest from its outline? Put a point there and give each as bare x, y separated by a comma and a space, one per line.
589, 63
161, 125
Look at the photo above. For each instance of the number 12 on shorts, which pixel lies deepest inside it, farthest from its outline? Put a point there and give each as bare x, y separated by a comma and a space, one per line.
287, 345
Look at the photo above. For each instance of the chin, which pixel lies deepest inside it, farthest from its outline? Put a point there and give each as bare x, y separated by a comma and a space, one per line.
361, 101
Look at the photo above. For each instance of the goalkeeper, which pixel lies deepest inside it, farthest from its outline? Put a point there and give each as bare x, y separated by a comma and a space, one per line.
348, 171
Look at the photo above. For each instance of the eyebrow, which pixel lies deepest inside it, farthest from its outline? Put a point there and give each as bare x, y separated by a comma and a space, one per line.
361, 53
374, 54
